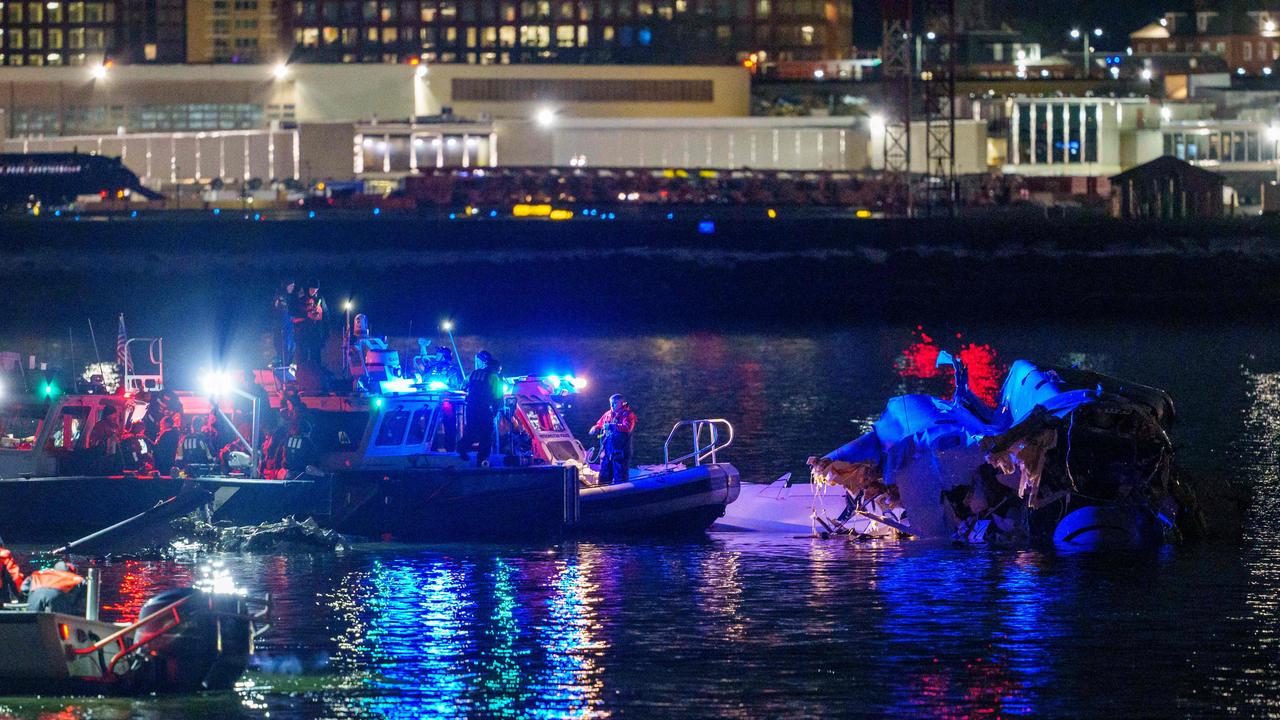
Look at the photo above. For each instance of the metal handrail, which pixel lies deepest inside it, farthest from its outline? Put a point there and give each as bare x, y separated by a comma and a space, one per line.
700, 452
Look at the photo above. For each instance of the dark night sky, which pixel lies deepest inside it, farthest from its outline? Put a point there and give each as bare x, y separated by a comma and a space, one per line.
1045, 20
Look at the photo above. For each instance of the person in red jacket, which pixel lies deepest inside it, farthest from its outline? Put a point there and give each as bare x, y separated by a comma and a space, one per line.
616, 424
59, 589
10, 576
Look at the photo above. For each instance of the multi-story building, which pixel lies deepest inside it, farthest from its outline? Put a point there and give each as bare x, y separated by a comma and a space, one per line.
58, 33
1244, 35
80, 32
577, 31
232, 31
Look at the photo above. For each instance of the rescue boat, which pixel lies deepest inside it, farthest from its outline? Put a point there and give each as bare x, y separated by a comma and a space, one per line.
183, 640
385, 466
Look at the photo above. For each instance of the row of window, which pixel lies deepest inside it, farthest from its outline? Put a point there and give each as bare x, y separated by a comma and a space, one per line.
429, 11
1249, 50
78, 119
35, 13
541, 36
526, 89
54, 38
1222, 146
1055, 133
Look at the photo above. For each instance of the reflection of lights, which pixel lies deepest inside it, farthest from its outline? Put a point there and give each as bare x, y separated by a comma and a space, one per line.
919, 360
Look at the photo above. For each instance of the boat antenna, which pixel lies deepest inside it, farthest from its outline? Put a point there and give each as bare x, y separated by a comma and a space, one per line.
94, 338
447, 326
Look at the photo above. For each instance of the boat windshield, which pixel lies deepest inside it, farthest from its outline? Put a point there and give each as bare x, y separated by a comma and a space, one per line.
20, 425
71, 422
542, 416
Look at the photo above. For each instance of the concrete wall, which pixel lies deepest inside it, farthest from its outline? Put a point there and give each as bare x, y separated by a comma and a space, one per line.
352, 92
970, 147
731, 91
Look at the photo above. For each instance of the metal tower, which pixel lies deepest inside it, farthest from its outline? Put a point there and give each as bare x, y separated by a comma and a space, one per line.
896, 74
938, 75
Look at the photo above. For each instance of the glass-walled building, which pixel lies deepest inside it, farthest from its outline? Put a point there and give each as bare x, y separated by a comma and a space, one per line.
578, 31
1235, 144
1079, 135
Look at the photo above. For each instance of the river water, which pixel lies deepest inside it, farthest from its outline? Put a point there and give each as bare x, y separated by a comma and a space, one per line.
751, 626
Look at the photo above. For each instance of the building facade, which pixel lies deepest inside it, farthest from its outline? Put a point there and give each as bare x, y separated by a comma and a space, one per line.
579, 31
232, 31
1247, 40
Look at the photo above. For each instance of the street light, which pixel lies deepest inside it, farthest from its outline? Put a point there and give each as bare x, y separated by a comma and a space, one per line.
99, 71
346, 339
447, 326
1076, 34
281, 71
545, 117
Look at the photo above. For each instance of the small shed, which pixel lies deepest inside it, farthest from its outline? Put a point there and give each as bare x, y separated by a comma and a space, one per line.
1166, 188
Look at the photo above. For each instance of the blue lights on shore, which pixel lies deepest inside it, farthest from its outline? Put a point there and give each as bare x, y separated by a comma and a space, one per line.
707, 227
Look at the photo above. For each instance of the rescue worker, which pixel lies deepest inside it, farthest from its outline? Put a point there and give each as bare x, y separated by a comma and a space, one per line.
10, 577
194, 448
484, 400
59, 589
299, 450
165, 451
133, 449
616, 426
285, 301
104, 440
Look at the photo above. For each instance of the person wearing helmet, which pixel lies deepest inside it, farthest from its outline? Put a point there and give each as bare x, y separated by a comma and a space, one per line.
616, 426
59, 589
484, 400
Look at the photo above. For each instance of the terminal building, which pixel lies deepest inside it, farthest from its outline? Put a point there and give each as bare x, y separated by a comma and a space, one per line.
309, 122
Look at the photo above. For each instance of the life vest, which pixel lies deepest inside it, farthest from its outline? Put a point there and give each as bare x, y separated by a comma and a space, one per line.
9, 566
195, 450
60, 580
298, 452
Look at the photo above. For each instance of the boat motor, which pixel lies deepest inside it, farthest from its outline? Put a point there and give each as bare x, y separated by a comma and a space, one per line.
194, 640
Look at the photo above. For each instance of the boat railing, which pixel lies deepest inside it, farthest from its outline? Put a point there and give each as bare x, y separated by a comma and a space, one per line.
124, 639
707, 440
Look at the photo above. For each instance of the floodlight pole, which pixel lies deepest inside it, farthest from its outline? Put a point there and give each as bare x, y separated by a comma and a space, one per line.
457, 356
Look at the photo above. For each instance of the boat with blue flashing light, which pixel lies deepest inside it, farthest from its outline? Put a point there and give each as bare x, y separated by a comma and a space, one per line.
1067, 458
385, 465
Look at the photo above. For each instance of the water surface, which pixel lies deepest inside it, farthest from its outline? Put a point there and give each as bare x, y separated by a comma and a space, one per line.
751, 626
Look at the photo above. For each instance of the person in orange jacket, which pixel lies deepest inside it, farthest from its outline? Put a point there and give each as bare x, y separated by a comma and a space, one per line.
10, 576
616, 424
59, 589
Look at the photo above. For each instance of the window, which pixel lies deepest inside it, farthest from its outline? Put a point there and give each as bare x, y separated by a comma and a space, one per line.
370, 10
93, 12
419, 425
70, 428
507, 36
448, 10
428, 12
527, 89
20, 426
53, 11
75, 12
542, 417
55, 39
564, 36
1246, 51
394, 424
35, 12
75, 38
35, 40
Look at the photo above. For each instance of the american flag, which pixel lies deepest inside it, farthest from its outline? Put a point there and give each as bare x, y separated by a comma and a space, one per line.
122, 351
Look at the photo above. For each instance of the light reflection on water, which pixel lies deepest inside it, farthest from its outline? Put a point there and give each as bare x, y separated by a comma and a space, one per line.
749, 626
